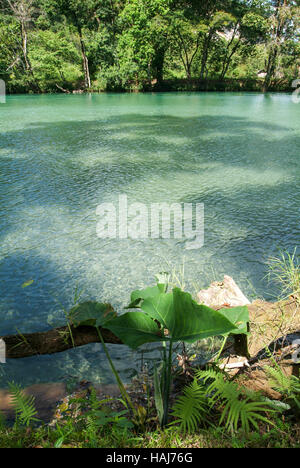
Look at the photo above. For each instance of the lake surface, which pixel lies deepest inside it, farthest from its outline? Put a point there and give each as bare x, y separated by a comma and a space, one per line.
61, 156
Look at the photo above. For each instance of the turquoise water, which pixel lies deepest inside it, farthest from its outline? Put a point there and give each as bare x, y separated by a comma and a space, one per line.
61, 156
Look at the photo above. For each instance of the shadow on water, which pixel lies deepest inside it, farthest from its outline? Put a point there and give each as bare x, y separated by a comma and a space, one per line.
66, 168
74, 163
71, 166
47, 305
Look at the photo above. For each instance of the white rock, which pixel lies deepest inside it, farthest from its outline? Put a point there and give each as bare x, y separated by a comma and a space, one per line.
223, 293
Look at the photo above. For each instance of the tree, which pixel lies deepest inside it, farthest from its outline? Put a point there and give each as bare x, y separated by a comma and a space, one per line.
143, 40
48, 45
196, 30
79, 14
248, 28
23, 12
284, 25
220, 21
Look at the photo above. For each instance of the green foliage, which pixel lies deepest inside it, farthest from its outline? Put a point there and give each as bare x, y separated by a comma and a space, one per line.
135, 329
102, 418
23, 405
176, 312
54, 45
284, 435
190, 409
56, 60
2, 421
95, 315
212, 390
289, 387
164, 317
171, 317
91, 313
238, 407
92, 417
285, 270
137, 297
239, 316
159, 389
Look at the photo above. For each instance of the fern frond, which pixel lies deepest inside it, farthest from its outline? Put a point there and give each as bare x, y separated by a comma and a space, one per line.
208, 374
218, 386
278, 380
287, 386
23, 405
91, 425
245, 412
239, 407
191, 407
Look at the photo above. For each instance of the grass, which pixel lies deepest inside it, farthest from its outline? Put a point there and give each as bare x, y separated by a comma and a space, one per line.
273, 321
285, 271
284, 435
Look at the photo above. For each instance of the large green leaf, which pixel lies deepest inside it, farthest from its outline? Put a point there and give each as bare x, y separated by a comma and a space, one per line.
239, 316
135, 329
91, 313
184, 318
194, 322
137, 297
161, 308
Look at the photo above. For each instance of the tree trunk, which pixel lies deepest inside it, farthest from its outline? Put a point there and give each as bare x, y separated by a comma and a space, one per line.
87, 78
229, 55
206, 46
158, 64
270, 68
61, 339
275, 48
53, 341
24, 46
57, 340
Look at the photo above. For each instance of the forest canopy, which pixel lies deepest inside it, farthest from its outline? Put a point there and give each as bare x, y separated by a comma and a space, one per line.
135, 45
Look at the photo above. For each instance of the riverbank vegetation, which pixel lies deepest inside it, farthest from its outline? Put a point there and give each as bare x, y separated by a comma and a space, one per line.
140, 45
179, 403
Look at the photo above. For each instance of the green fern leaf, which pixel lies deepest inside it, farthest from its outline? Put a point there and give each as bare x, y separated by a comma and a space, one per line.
239, 408
23, 405
190, 408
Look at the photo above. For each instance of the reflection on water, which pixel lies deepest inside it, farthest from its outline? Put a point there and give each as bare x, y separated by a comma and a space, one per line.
61, 156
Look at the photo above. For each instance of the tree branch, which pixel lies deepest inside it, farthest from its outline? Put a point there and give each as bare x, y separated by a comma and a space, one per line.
53, 341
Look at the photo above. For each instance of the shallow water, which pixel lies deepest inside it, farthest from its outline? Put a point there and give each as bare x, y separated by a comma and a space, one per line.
61, 156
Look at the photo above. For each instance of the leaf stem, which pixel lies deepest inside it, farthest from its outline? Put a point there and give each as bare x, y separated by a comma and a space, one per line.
168, 384
115, 372
221, 349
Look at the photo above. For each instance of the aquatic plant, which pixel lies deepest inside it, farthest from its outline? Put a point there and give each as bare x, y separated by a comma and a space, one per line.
171, 317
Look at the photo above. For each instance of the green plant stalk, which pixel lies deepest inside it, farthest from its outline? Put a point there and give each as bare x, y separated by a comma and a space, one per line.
168, 385
164, 370
158, 398
71, 334
221, 349
115, 372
